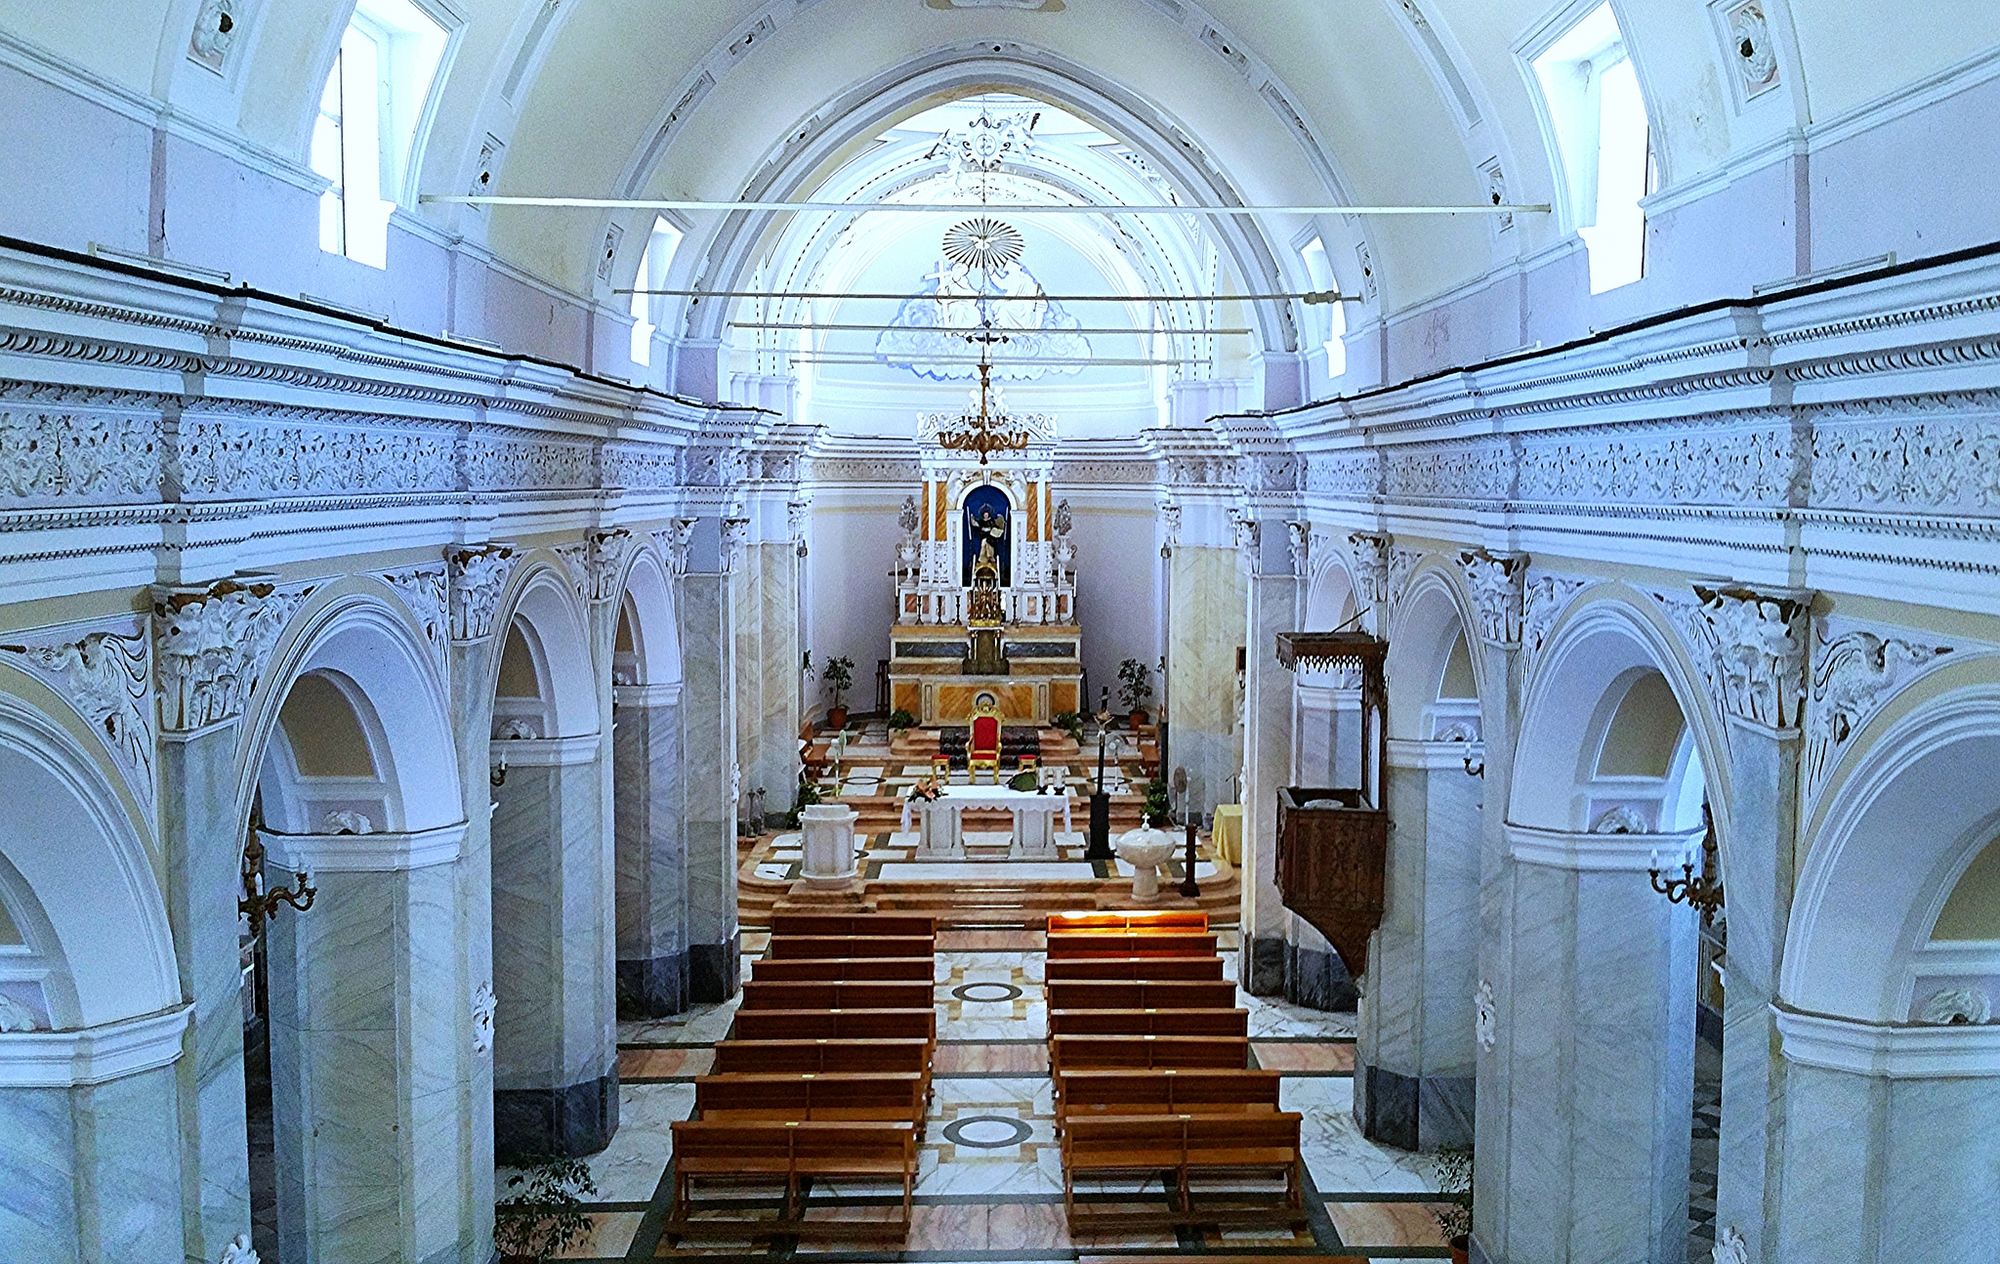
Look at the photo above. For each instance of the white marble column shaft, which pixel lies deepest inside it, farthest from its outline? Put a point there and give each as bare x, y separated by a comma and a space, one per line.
652, 878
1501, 686
1272, 607
708, 740
767, 652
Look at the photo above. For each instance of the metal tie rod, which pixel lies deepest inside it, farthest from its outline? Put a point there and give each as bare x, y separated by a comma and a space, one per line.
905, 362
1303, 296
982, 208
972, 335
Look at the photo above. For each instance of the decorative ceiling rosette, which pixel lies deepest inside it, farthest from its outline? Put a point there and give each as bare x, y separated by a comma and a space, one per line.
984, 243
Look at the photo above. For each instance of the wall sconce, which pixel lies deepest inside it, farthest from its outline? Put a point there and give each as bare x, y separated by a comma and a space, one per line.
496, 776
1696, 890
258, 903
1475, 765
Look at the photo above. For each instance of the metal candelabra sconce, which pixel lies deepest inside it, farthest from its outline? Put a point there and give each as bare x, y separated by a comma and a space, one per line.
260, 905
1696, 890
496, 776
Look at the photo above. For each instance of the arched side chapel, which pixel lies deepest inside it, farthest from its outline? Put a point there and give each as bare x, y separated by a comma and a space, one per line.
353, 529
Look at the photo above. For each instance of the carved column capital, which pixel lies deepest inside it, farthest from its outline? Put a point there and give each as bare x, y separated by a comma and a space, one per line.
212, 643
735, 535
675, 541
477, 575
608, 550
1300, 540
1371, 565
1498, 583
1760, 649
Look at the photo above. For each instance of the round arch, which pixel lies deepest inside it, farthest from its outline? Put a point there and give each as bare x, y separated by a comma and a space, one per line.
360, 636
1912, 807
66, 820
1607, 638
541, 599
1434, 612
647, 604
1330, 597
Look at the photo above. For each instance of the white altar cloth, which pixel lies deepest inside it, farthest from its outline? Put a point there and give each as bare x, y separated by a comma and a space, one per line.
940, 829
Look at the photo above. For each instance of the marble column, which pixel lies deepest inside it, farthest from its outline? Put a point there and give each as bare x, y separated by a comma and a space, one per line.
708, 771
1414, 1074
767, 654
203, 842
91, 1166
1272, 607
554, 952
366, 1029
1600, 1020
652, 877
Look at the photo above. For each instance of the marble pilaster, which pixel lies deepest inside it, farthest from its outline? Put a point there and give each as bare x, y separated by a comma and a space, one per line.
366, 1026
1414, 1083
765, 593
708, 742
204, 846
1500, 709
651, 852
1272, 607
554, 953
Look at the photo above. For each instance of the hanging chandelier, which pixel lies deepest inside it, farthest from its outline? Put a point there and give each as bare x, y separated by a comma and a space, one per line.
986, 431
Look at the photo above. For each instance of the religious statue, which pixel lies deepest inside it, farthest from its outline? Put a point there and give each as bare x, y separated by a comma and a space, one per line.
991, 528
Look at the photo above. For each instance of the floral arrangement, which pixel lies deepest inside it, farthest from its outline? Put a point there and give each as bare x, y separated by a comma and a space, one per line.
926, 790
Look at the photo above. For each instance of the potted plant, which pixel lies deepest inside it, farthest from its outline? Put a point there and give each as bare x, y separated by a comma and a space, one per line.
808, 795
1158, 809
901, 721
1454, 1218
1137, 686
543, 1217
1071, 723
838, 673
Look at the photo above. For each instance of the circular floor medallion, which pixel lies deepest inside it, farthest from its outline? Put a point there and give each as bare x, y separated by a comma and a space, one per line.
983, 992
986, 1132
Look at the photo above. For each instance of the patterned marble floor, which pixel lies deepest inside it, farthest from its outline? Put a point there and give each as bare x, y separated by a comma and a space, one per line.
989, 1187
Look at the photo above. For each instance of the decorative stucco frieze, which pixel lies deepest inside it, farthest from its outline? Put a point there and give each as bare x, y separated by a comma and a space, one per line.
424, 589
642, 468
1461, 470
106, 676
1706, 464
477, 576
1760, 650
234, 458
1854, 672
1351, 475
493, 463
1884, 456
78, 457
1498, 588
714, 465
1111, 473
860, 469
212, 645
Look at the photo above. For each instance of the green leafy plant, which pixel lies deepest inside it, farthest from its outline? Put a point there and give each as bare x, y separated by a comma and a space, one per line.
838, 673
901, 721
1069, 722
1137, 683
808, 795
1454, 1175
1157, 806
543, 1216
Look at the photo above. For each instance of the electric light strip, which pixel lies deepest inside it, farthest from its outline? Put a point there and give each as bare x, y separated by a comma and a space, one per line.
981, 208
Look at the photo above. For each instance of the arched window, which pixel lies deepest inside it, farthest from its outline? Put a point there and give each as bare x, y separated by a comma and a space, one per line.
1595, 119
653, 265
365, 138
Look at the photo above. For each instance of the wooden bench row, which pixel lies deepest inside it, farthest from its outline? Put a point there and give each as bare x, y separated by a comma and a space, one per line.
1174, 942
787, 947
1072, 994
1180, 1149
835, 994
1139, 920
814, 1095
787, 1153
831, 969
878, 925
1071, 1053
819, 1057
1149, 1022
1133, 968
1164, 1092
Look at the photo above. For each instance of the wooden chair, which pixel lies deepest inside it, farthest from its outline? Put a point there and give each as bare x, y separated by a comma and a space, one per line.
982, 747
1149, 1022
836, 1024
1067, 994
1076, 1053
1187, 968
883, 969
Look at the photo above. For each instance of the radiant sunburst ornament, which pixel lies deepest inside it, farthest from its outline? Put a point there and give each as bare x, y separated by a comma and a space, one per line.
983, 243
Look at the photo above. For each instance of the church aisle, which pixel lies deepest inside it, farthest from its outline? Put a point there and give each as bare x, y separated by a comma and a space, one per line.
989, 1184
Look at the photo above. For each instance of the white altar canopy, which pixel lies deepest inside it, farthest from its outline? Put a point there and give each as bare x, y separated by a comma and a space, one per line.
940, 828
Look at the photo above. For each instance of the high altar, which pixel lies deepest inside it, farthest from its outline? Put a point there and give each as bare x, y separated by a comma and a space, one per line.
985, 589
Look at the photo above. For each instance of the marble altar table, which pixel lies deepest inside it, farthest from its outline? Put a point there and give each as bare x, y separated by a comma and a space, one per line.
941, 832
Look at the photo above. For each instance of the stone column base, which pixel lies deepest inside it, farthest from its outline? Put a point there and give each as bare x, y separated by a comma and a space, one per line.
654, 988
1260, 966
715, 971
1318, 980
571, 1121
1413, 1113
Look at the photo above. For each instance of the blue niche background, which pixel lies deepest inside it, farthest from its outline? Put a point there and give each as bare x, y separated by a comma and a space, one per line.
990, 500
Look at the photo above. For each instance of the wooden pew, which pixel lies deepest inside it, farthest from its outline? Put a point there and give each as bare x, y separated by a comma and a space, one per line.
1149, 1022
1181, 919
1133, 968
1164, 1092
1186, 1145
816, 1057
1139, 994
874, 925
812, 1095
1068, 1053
781, 1153
836, 1024
760, 994
786, 947
873, 969
1120, 943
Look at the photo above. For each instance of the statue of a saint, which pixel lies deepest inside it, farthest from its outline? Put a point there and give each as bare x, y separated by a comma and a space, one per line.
991, 528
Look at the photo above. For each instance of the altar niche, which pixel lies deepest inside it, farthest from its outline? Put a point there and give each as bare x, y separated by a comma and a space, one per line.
985, 597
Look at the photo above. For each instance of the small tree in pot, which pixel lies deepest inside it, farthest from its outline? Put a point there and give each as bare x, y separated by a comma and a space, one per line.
1136, 688
1454, 1172
838, 673
543, 1217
